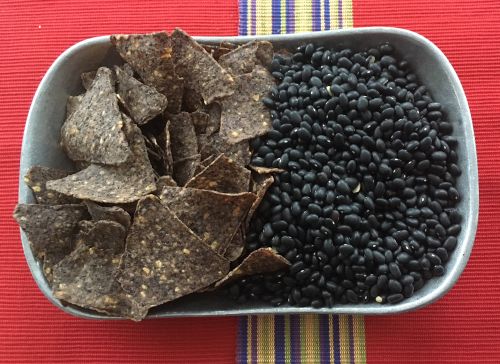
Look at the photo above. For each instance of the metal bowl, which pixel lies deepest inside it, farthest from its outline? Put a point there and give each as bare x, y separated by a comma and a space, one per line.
47, 112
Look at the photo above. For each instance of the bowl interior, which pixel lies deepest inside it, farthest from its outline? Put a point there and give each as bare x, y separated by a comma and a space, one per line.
41, 147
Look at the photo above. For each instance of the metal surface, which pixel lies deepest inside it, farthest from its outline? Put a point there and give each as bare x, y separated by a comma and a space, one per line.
46, 115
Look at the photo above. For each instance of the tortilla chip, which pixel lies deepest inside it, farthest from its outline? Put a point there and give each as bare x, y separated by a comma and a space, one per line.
213, 216
260, 185
244, 115
265, 170
113, 184
37, 177
105, 235
141, 101
182, 136
236, 246
185, 169
215, 145
85, 278
204, 164
216, 51
200, 122
244, 58
51, 230
192, 101
150, 55
163, 259
93, 132
214, 112
222, 175
164, 181
87, 79
263, 260
111, 213
72, 104
200, 71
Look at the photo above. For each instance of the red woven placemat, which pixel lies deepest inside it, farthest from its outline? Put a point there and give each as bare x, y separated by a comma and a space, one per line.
463, 327
34, 33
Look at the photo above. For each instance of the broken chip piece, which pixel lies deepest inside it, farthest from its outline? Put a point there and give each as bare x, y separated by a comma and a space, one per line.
185, 169
244, 58
183, 141
87, 79
142, 102
244, 116
150, 55
200, 71
112, 213
222, 175
50, 229
94, 131
113, 184
215, 145
213, 216
164, 259
37, 177
85, 278
263, 260
236, 246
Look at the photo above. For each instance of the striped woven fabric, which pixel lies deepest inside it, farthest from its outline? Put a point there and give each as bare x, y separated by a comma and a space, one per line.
298, 339
292, 16
307, 338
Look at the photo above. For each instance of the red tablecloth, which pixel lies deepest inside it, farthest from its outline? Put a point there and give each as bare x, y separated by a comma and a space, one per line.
462, 327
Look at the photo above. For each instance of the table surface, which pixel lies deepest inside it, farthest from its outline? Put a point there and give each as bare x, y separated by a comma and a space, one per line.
461, 327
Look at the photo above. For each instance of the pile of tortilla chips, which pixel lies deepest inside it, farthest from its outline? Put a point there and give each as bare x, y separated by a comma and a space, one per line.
162, 197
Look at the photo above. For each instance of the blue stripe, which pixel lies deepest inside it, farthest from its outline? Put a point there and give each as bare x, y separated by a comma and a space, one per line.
316, 15
295, 339
327, 14
290, 16
243, 17
324, 337
276, 4
242, 341
279, 339
336, 338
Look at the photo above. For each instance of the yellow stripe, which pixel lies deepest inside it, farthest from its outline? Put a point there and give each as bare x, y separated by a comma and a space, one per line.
359, 339
334, 13
303, 16
249, 17
309, 334
283, 17
265, 339
331, 338
249, 337
347, 13
264, 15
344, 339
288, 345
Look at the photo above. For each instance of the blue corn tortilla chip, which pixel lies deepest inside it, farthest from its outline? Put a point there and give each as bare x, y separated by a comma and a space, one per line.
200, 70
150, 55
185, 169
113, 184
38, 176
213, 216
263, 260
108, 213
222, 175
164, 259
183, 142
141, 101
93, 132
244, 116
244, 58
86, 278
51, 230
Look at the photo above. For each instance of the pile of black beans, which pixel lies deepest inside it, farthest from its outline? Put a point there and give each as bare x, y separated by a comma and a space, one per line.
365, 209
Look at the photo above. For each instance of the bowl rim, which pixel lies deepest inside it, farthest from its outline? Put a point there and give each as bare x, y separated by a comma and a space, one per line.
468, 233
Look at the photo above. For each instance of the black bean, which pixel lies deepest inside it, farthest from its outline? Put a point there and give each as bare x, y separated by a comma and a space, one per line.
395, 298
